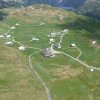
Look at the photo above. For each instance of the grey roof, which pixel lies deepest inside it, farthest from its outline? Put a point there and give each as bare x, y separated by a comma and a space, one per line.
57, 45
47, 52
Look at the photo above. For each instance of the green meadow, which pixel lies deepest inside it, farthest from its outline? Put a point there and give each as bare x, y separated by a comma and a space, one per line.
65, 78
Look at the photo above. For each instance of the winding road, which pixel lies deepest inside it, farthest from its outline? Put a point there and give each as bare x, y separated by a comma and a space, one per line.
40, 79
81, 62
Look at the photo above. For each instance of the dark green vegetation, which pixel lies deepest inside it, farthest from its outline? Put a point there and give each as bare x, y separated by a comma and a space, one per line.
91, 8
66, 79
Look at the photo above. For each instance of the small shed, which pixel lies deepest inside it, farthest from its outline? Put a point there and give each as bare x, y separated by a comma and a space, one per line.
22, 48
91, 69
73, 45
53, 34
8, 43
12, 28
1, 36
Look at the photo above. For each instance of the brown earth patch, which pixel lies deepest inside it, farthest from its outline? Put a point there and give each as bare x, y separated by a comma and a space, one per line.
65, 72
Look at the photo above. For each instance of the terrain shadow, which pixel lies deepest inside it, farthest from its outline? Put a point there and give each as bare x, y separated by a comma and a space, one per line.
89, 25
2, 15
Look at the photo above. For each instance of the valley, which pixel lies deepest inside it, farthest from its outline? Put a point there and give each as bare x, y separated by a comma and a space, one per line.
69, 69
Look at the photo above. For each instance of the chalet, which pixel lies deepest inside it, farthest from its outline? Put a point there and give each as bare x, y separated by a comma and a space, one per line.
91, 69
47, 52
7, 36
57, 45
17, 24
8, 43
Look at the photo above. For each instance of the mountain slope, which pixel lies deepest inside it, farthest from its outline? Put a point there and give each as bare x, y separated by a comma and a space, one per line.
87, 7
66, 79
91, 8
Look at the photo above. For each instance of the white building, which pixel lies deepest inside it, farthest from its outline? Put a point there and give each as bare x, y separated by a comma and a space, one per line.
42, 23
52, 40
91, 70
22, 48
57, 45
94, 42
47, 52
73, 45
12, 28
35, 39
8, 43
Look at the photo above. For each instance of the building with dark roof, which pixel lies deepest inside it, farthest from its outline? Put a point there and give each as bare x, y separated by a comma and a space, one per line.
57, 45
47, 52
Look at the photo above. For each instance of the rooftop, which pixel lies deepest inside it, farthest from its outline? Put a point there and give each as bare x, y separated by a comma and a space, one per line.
47, 52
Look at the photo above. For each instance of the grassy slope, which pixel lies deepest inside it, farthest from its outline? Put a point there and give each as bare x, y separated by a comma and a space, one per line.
81, 85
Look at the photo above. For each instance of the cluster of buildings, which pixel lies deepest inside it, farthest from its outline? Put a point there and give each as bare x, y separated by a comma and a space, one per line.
9, 43
13, 27
48, 52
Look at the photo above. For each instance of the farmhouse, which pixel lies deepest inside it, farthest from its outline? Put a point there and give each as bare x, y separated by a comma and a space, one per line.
52, 40
57, 45
47, 52
8, 36
53, 34
35, 39
94, 42
8, 43
12, 28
